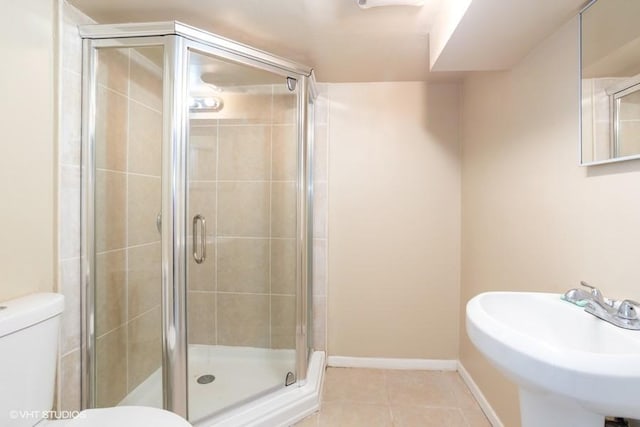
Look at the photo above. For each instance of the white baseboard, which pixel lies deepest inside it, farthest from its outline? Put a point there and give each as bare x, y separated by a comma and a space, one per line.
482, 401
387, 363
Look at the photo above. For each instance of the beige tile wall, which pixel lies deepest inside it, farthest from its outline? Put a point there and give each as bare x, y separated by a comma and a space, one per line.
630, 125
243, 171
128, 250
128, 257
597, 119
69, 208
320, 219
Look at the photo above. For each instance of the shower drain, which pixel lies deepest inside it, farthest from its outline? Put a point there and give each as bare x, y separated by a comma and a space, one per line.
206, 379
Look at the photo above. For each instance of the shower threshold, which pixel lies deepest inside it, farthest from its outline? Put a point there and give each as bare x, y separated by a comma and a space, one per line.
241, 374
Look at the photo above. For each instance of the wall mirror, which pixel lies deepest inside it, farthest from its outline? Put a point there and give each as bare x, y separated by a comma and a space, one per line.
610, 76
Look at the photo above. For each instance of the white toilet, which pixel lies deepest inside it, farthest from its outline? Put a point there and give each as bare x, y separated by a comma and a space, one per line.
28, 354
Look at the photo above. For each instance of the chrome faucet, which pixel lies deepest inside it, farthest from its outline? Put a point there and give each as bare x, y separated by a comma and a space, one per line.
596, 298
623, 314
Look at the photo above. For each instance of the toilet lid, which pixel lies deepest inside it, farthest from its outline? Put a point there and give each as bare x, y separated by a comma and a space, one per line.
127, 416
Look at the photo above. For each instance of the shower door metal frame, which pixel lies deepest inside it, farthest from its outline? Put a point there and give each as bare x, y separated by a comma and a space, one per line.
178, 40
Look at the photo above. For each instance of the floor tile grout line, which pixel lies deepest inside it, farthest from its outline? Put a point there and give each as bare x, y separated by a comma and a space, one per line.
445, 383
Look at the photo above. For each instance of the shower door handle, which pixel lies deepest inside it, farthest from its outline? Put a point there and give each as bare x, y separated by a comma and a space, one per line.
199, 224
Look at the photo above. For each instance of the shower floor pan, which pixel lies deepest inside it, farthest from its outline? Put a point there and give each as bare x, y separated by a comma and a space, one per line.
241, 374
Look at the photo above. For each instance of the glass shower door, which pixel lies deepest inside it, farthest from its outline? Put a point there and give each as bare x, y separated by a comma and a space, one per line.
242, 195
125, 170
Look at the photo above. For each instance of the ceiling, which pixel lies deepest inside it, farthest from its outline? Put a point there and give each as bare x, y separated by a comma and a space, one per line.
497, 34
346, 44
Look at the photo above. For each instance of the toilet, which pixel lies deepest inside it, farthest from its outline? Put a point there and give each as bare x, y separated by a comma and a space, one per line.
29, 329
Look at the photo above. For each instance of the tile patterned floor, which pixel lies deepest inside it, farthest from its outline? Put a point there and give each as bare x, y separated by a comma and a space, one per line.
395, 398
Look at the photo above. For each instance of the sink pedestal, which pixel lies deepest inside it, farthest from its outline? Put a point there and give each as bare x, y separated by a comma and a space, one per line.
548, 410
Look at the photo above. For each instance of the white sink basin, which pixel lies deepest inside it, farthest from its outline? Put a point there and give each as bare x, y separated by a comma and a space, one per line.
572, 368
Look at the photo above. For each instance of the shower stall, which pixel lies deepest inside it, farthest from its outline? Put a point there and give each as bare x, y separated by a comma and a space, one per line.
196, 225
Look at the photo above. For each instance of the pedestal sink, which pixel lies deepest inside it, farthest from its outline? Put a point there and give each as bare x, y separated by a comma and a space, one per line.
572, 369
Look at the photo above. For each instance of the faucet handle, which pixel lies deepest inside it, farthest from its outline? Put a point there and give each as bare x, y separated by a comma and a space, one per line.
586, 285
595, 292
628, 309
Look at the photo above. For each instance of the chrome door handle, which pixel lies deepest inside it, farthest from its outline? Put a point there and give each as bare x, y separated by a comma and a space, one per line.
199, 256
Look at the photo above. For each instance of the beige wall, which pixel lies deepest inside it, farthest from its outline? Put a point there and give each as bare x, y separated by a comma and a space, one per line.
394, 220
533, 220
27, 179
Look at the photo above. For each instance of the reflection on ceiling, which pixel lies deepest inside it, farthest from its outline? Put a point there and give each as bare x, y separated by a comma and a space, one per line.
221, 74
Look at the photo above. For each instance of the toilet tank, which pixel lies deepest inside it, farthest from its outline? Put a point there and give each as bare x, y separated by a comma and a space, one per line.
29, 329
